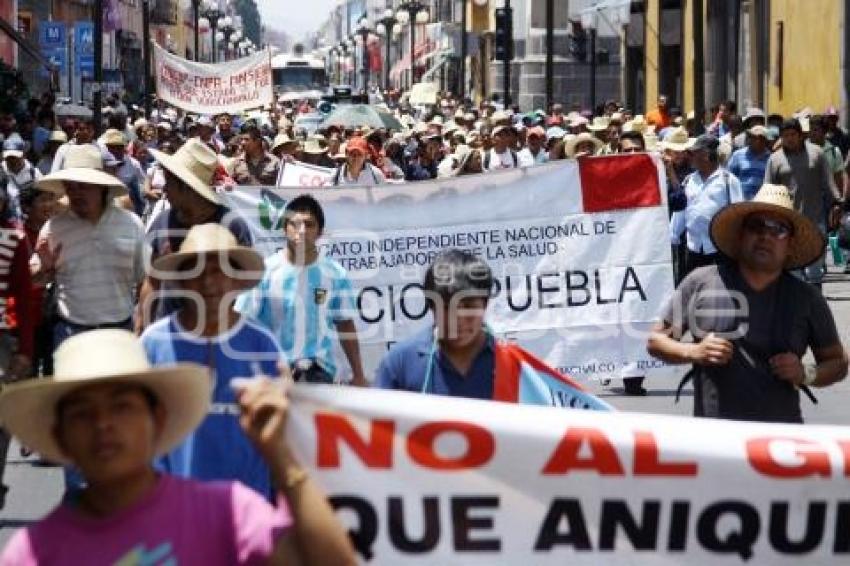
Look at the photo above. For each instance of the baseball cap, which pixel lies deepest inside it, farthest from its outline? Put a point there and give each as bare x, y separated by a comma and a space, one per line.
706, 142
14, 146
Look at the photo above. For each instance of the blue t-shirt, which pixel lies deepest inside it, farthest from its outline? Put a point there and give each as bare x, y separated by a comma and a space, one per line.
405, 367
749, 168
218, 449
300, 305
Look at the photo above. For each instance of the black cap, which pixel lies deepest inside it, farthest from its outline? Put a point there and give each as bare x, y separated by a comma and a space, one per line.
706, 142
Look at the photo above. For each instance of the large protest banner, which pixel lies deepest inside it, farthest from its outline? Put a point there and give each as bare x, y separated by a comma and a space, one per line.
211, 88
422, 479
580, 251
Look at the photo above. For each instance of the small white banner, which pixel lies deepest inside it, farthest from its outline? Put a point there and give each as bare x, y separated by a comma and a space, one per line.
204, 88
300, 174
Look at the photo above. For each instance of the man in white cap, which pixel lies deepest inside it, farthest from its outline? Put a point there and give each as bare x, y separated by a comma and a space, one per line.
20, 172
110, 414
752, 322
502, 155
128, 169
83, 135
94, 251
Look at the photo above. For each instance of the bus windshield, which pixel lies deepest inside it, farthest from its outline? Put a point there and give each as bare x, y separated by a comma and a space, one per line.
298, 78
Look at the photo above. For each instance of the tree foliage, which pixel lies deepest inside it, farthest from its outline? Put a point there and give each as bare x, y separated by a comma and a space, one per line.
251, 23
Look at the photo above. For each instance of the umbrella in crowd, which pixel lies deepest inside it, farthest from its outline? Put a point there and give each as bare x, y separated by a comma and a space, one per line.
360, 116
73, 111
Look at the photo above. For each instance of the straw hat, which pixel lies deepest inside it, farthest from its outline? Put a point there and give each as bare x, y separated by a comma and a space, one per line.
113, 137
678, 140
313, 146
638, 124
83, 164
583, 137
215, 239
806, 245
281, 140
599, 124
28, 408
58, 136
195, 164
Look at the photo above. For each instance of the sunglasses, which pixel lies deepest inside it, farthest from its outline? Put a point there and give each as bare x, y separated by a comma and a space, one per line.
775, 228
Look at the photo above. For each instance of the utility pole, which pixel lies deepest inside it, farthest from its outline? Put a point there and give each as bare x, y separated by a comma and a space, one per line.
97, 85
550, 50
146, 50
509, 55
463, 40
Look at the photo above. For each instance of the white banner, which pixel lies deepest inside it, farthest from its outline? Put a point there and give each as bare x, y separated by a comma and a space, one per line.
425, 479
300, 174
204, 88
581, 273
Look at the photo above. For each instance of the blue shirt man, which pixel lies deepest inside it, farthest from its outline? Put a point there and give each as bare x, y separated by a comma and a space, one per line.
217, 449
749, 163
419, 365
300, 305
306, 299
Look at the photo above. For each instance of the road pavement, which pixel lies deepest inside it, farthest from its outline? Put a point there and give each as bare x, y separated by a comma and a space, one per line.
35, 490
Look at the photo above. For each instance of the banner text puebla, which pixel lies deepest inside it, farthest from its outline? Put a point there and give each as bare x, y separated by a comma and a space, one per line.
580, 254
423, 479
205, 88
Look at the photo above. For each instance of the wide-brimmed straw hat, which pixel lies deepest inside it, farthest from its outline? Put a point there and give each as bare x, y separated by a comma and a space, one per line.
215, 239
28, 408
313, 146
281, 140
195, 164
806, 245
678, 140
83, 164
583, 137
599, 124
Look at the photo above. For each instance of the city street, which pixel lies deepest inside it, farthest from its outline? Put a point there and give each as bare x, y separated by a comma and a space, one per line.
34, 490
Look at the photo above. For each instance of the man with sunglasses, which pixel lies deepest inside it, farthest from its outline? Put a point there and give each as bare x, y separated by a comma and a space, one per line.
752, 321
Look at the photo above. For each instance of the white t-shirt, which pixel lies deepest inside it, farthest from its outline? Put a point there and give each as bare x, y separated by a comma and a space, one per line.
527, 159
504, 160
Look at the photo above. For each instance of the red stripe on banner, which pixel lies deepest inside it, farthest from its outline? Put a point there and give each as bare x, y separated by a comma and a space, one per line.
615, 182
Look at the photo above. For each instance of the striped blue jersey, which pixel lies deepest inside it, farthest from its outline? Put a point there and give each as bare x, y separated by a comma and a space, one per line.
300, 305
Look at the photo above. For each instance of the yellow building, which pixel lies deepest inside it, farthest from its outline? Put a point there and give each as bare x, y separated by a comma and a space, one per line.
779, 55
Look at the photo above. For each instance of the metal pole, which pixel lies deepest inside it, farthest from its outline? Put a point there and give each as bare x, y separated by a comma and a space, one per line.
550, 50
506, 86
214, 55
146, 49
98, 66
387, 61
365, 36
196, 8
412, 43
592, 69
463, 39
699, 69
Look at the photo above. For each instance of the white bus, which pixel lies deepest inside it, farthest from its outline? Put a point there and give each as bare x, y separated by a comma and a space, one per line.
298, 72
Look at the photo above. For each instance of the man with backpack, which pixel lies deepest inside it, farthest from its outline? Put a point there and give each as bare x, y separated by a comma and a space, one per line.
751, 320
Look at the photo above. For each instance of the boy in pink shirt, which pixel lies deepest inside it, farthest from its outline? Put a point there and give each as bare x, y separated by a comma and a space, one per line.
109, 414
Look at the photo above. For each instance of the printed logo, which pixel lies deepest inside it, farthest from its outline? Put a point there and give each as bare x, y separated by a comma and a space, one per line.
271, 208
320, 295
162, 555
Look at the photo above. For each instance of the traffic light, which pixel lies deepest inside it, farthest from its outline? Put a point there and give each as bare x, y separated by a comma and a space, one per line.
578, 42
504, 34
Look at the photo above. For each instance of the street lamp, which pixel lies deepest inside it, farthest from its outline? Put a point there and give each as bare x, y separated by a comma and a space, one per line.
227, 30
588, 22
413, 12
363, 31
386, 27
213, 15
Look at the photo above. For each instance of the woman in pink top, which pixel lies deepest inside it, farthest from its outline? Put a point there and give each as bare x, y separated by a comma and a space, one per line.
108, 413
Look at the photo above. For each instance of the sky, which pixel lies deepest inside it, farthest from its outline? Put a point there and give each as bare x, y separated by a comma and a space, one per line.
295, 17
